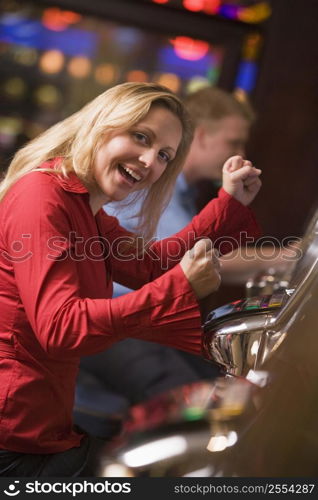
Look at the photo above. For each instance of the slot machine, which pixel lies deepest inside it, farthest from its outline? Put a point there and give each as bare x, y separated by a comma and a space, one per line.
205, 429
239, 336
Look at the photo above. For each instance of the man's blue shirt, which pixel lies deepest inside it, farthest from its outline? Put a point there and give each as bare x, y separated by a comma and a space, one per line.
177, 215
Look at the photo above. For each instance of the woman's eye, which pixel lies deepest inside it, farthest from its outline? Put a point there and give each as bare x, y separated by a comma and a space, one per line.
141, 137
164, 156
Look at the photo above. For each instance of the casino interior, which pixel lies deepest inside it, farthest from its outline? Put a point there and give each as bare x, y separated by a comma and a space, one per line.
58, 55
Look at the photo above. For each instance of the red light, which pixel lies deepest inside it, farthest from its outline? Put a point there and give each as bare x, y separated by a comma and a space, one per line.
160, 1
194, 5
189, 49
58, 20
211, 6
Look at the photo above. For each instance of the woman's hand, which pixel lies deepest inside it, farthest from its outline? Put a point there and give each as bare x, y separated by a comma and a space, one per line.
201, 268
241, 179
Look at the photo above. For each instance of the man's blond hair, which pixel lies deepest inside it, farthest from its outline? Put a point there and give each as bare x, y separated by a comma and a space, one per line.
213, 104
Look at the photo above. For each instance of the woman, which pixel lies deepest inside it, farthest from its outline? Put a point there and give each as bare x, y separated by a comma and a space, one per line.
59, 252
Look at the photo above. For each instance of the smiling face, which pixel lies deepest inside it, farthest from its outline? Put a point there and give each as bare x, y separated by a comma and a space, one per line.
134, 159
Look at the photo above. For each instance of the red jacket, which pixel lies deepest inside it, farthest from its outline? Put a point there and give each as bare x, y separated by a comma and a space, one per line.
57, 262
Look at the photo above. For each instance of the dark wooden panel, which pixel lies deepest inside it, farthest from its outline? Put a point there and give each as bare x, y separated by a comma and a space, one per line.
284, 140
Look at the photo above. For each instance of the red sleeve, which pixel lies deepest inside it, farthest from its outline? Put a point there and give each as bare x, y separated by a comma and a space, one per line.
65, 323
164, 311
224, 220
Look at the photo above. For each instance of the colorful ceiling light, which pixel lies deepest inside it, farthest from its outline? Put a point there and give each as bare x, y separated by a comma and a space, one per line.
58, 20
10, 127
31, 33
256, 13
207, 6
211, 6
193, 5
190, 49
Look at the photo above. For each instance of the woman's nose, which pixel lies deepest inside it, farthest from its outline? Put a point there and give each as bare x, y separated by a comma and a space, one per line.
147, 157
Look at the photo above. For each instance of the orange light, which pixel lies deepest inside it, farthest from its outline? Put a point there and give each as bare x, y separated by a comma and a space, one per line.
240, 95
255, 14
136, 76
106, 73
189, 49
70, 17
252, 46
52, 61
169, 80
58, 20
194, 5
79, 67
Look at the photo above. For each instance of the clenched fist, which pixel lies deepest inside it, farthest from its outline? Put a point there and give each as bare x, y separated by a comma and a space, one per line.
201, 267
241, 179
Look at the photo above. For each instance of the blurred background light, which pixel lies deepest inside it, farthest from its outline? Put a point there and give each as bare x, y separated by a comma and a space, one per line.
252, 46
193, 5
51, 61
31, 33
246, 77
190, 49
255, 14
25, 55
155, 451
47, 95
196, 83
10, 127
56, 19
137, 75
106, 73
229, 11
211, 6
79, 67
170, 80
14, 87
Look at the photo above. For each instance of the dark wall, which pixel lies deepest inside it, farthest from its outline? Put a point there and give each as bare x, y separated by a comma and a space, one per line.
284, 141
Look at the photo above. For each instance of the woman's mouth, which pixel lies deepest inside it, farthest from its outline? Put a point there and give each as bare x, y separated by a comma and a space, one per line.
129, 174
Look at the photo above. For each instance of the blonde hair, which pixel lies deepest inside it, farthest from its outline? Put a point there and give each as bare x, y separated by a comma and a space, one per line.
77, 139
211, 104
